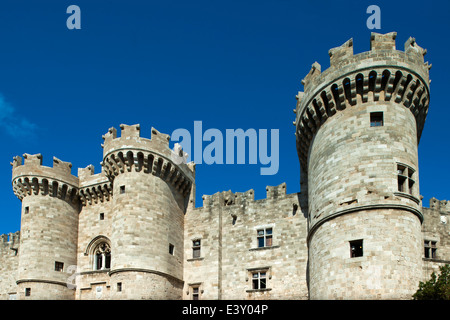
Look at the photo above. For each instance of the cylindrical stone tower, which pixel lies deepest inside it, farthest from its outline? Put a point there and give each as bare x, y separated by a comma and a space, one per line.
150, 196
358, 126
49, 227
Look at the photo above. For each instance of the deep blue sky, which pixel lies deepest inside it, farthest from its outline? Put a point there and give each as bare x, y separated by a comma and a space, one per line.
230, 64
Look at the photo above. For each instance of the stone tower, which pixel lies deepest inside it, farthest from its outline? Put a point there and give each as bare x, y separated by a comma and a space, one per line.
150, 196
49, 226
358, 126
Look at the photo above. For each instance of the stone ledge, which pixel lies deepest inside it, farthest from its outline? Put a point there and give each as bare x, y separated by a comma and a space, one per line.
363, 208
263, 248
258, 290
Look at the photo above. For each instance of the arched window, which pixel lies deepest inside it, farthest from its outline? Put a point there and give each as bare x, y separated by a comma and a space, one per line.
99, 252
102, 256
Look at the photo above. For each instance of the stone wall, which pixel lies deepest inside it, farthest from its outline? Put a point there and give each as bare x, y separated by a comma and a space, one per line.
9, 264
227, 226
435, 228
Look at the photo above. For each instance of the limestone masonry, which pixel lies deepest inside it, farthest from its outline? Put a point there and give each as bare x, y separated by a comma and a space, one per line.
357, 229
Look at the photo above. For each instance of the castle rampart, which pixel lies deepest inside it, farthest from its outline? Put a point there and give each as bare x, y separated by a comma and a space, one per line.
49, 226
227, 228
358, 126
357, 229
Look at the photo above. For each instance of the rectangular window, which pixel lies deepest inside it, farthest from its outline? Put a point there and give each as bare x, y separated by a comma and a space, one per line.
196, 246
171, 248
376, 119
264, 237
27, 292
195, 293
59, 266
430, 249
356, 248
27, 210
122, 189
119, 286
259, 280
405, 179
101, 216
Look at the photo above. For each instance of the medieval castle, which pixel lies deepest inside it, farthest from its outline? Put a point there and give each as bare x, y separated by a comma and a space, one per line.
357, 229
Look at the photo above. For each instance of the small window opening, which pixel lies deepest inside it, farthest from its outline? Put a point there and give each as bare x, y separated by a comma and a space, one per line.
259, 280
27, 210
264, 237
59, 266
102, 257
405, 179
102, 216
122, 189
171, 248
196, 246
195, 293
376, 119
356, 248
430, 249
119, 286
27, 292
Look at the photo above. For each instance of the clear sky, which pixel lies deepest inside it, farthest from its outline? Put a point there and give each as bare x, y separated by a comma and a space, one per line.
230, 64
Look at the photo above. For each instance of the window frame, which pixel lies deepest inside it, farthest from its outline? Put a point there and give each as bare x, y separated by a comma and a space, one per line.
59, 266
375, 119
356, 252
430, 249
196, 248
102, 257
258, 278
405, 178
262, 236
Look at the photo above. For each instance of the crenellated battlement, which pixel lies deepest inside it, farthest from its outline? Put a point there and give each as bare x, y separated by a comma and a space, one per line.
229, 198
32, 177
130, 137
11, 239
94, 188
130, 152
381, 74
442, 206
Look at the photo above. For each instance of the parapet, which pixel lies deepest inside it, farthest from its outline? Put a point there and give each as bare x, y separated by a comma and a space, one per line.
32, 177
381, 74
130, 137
442, 206
131, 152
11, 239
229, 198
93, 188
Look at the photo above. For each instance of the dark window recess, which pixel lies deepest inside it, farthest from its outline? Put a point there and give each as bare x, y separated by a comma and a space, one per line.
264, 237
171, 248
259, 280
59, 266
27, 210
376, 119
430, 249
119, 286
405, 179
102, 216
195, 293
356, 248
27, 292
122, 189
196, 246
